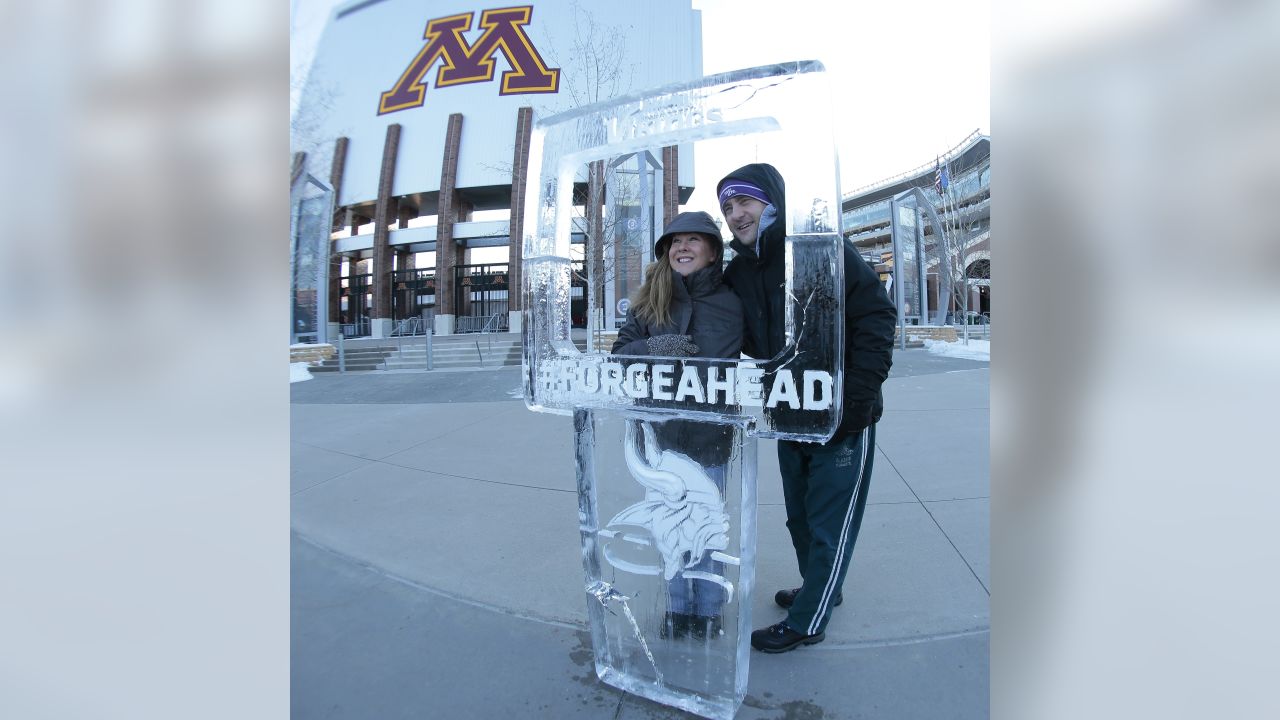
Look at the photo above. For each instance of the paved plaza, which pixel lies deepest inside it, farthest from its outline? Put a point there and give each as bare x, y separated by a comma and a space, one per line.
437, 573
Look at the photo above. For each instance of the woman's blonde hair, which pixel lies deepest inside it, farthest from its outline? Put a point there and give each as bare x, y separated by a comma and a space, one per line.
652, 302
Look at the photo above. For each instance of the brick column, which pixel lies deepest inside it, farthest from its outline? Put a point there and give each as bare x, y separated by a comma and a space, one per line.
380, 322
404, 297
404, 214
515, 251
670, 184
404, 259
355, 219
336, 171
447, 215
462, 254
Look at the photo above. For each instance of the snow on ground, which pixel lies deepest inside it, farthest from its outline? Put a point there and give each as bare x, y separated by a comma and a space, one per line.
298, 372
975, 350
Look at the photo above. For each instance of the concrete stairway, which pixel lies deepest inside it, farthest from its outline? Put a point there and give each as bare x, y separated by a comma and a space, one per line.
359, 358
469, 350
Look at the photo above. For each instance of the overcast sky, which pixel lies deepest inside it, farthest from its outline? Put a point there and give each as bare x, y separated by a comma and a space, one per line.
915, 75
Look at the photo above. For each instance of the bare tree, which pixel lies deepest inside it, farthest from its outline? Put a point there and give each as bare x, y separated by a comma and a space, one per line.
964, 226
595, 52
598, 53
313, 99
595, 67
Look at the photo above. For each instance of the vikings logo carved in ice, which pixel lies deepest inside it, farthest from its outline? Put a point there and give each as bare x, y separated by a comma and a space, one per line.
682, 510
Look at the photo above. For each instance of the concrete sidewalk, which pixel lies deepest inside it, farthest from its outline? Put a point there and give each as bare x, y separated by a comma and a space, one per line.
437, 569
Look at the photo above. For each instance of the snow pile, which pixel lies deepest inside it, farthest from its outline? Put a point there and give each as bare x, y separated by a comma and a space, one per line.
298, 372
975, 350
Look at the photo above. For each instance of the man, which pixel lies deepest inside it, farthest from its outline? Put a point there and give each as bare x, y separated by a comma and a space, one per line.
824, 485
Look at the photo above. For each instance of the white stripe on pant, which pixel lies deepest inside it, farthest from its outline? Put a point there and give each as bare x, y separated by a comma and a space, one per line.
829, 589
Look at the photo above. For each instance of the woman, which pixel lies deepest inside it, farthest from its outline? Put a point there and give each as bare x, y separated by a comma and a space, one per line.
683, 309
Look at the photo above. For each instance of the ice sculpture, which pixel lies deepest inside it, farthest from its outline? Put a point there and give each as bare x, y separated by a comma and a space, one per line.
682, 508
669, 558
310, 218
666, 447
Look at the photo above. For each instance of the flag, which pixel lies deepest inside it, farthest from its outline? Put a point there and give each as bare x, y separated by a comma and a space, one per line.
940, 179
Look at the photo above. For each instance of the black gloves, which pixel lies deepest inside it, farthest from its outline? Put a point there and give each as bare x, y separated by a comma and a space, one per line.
672, 345
855, 418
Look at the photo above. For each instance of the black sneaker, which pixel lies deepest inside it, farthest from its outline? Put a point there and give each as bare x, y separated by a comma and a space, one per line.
787, 598
780, 638
674, 625
702, 627
677, 625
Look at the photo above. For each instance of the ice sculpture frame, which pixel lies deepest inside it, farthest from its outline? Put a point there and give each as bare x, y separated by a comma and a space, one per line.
786, 107
666, 447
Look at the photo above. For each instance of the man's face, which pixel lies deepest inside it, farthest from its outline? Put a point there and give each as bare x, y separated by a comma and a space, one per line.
742, 213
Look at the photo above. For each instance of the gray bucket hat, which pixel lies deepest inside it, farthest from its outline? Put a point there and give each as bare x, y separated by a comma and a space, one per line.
690, 222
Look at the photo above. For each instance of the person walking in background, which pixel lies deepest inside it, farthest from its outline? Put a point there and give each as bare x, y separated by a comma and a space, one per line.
824, 485
683, 309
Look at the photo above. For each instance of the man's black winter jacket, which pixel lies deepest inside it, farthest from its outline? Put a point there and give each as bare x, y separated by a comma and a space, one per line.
757, 275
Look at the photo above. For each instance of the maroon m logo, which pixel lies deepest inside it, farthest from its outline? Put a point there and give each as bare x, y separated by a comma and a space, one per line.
464, 63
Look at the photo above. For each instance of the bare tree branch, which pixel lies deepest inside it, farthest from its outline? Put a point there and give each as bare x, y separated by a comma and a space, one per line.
597, 70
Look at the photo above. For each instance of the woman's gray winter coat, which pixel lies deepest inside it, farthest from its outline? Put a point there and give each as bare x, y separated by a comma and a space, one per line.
701, 306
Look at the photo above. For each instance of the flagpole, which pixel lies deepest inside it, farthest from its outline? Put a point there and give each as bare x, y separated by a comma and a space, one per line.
947, 210
944, 257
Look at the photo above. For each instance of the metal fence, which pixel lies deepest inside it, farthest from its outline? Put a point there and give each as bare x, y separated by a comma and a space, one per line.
497, 322
480, 297
413, 293
359, 328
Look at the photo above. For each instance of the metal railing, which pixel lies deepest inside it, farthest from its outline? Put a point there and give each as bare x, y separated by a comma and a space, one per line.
360, 328
491, 326
468, 323
982, 319
497, 322
410, 326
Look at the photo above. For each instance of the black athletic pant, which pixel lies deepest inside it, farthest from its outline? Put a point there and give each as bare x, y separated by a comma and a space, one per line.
825, 488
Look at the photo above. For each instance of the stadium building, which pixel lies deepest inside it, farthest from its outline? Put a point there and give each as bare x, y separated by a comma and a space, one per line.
958, 187
417, 116
415, 120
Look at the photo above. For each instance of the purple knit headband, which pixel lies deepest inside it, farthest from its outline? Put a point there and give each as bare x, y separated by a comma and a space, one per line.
742, 187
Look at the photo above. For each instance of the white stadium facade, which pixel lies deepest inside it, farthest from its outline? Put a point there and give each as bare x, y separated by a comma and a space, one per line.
418, 116
964, 210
